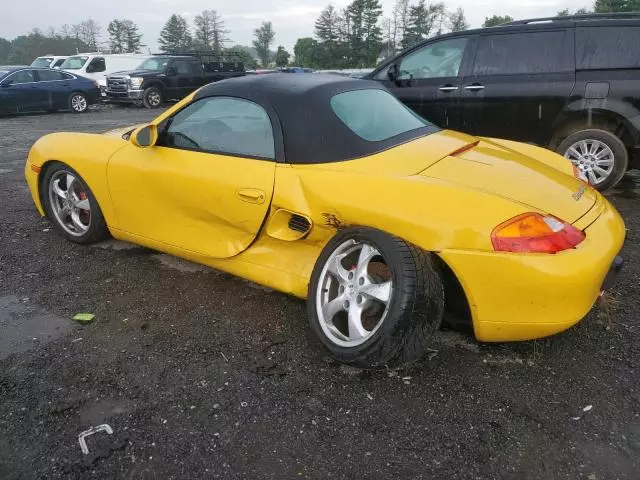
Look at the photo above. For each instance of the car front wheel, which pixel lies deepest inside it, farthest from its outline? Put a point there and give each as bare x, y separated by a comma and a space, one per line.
600, 154
71, 206
78, 102
374, 300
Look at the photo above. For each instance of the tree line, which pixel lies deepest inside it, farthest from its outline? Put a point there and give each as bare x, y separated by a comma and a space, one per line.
357, 36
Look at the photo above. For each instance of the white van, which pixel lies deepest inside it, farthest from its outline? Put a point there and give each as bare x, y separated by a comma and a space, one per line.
48, 61
97, 66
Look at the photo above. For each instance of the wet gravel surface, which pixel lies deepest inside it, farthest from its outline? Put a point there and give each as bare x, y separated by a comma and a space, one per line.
203, 375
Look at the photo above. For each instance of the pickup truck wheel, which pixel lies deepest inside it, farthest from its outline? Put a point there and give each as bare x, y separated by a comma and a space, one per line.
374, 300
152, 98
600, 154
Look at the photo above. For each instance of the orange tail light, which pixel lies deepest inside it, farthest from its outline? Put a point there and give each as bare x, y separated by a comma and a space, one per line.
535, 233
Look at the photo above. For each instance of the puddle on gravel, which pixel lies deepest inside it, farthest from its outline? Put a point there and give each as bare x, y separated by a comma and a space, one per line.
629, 187
24, 326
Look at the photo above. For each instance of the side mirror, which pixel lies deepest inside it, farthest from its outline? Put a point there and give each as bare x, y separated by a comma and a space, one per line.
6, 84
172, 71
145, 137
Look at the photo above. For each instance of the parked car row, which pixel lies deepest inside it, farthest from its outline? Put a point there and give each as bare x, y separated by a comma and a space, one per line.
28, 89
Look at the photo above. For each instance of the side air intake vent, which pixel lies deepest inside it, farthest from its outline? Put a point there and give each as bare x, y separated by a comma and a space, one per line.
298, 223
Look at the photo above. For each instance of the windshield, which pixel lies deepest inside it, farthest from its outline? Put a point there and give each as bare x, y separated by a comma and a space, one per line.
157, 64
3, 73
42, 62
375, 115
74, 63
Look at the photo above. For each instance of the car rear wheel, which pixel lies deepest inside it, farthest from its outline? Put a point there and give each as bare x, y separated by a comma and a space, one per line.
374, 300
152, 98
600, 154
71, 206
78, 102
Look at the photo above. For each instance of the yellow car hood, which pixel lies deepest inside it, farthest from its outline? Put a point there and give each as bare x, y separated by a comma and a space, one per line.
529, 175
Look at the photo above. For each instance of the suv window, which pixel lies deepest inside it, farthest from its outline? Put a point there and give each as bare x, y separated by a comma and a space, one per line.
524, 53
439, 59
23, 76
50, 75
375, 115
222, 125
97, 65
58, 62
607, 47
181, 67
195, 68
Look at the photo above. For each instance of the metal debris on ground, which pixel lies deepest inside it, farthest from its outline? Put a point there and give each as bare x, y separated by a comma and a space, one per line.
100, 428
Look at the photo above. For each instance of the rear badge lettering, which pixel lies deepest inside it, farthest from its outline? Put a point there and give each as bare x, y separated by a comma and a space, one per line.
578, 195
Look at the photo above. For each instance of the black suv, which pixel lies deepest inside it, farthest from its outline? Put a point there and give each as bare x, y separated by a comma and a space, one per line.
571, 84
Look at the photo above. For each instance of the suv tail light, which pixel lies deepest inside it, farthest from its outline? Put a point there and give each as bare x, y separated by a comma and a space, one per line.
535, 233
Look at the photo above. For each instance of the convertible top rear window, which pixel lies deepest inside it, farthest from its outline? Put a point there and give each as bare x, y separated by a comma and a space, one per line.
375, 115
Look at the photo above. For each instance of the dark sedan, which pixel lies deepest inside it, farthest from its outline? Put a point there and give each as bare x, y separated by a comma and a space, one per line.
27, 89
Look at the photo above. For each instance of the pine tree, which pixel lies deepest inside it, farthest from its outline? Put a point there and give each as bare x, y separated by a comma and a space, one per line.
424, 22
457, 21
264, 38
496, 20
210, 32
282, 57
132, 37
609, 6
372, 31
175, 36
116, 36
327, 29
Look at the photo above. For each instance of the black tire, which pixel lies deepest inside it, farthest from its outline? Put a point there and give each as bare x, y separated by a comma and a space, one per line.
415, 309
97, 230
152, 98
620, 153
78, 102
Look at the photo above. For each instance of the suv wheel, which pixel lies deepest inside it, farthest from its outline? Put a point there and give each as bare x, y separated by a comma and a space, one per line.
599, 154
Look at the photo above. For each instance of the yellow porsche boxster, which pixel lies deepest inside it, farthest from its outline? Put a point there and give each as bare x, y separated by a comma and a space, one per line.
329, 189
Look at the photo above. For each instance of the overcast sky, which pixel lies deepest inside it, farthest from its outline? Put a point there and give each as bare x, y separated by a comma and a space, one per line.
291, 19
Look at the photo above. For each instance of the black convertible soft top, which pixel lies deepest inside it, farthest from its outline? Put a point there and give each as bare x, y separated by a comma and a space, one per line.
302, 117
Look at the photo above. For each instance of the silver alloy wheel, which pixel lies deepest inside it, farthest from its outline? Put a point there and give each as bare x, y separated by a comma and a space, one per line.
70, 203
153, 98
593, 157
351, 302
78, 102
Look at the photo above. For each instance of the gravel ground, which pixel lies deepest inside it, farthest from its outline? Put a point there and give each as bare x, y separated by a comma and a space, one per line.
203, 375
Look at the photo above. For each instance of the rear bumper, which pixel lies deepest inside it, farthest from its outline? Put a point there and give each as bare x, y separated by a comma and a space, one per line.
525, 296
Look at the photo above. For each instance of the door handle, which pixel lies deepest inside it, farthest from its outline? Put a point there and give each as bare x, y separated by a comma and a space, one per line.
448, 88
474, 87
251, 195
